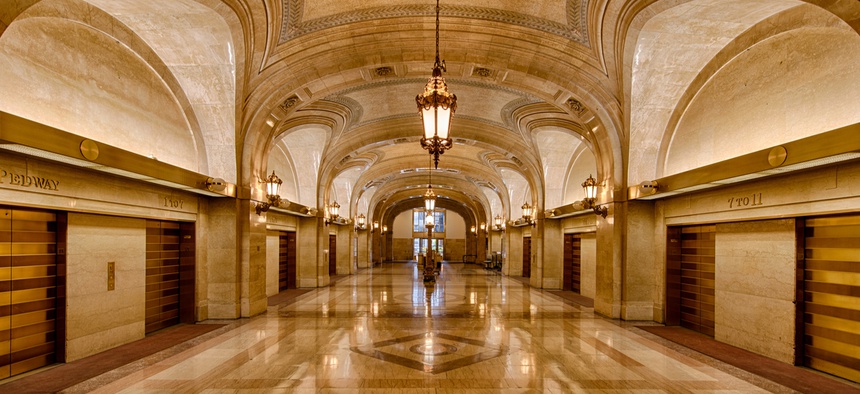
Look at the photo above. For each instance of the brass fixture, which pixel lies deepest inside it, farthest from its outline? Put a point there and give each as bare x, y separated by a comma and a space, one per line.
436, 107
590, 188
273, 185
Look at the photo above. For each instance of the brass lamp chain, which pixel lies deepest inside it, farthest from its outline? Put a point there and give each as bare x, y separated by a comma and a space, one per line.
439, 63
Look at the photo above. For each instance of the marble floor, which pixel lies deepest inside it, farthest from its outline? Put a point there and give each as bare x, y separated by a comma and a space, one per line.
384, 331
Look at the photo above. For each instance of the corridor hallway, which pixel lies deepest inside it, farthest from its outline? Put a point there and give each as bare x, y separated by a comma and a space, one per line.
382, 330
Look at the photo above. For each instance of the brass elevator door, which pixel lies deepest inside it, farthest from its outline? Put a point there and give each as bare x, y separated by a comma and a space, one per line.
831, 296
30, 322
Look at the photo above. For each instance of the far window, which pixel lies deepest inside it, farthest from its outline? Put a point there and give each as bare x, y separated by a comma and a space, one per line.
418, 221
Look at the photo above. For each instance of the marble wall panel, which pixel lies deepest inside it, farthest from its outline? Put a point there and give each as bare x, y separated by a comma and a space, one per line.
755, 286
402, 248
98, 319
588, 281
272, 252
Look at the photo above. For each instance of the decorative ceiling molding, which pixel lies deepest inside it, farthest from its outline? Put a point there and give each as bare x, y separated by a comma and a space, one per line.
293, 25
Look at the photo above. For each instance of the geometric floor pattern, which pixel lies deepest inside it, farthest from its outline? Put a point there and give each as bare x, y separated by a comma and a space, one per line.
383, 331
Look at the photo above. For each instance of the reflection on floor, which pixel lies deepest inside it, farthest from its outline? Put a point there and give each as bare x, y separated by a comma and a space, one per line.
382, 330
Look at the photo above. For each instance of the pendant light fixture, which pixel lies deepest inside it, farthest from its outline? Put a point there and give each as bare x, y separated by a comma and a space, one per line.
436, 106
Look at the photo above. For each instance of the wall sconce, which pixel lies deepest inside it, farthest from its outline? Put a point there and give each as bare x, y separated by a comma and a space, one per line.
360, 222
375, 225
590, 188
527, 213
273, 185
497, 222
474, 230
384, 229
483, 226
333, 212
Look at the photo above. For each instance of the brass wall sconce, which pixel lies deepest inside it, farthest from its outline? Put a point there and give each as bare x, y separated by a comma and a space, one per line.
528, 210
483, 226
497, 222
333, 213
360, 222
273, 185
375, 225
590, 188
474, 230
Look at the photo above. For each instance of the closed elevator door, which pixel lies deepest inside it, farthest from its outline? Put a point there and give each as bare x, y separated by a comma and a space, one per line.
170, 261
572, 262
831, 296
527, 257
690, 270
32, 289
286, 260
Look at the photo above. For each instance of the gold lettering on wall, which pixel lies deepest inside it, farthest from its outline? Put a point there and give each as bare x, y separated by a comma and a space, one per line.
751, 200
24, 180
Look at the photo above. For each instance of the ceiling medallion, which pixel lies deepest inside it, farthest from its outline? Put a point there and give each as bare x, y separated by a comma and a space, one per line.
436, 106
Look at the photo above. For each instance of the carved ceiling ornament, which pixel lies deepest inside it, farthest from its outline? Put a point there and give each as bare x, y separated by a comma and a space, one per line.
290, 102
576, 106
293, 25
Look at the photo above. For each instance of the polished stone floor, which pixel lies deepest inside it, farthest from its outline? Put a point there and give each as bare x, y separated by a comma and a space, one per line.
474, 331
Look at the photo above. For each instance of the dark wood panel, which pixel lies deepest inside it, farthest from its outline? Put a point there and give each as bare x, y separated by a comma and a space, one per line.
33, 289
527, 257
830, 295
690, 273
170, 274
332, 255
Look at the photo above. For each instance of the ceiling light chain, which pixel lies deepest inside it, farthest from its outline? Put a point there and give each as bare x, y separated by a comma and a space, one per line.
436, 106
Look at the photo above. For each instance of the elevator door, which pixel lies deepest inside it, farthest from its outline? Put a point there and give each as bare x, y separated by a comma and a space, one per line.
169, 274
527, 257
31, 289
572, 262
831, 296
332, 255
690, 277
286, 261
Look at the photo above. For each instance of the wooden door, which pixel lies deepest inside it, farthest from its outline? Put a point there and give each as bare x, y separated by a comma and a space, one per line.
32, 289
332, 255
527, 257
286, 260
831, 295
572, 262
170, 265
690, 277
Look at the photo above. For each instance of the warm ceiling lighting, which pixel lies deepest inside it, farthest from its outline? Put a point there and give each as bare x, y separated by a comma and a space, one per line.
429, 200
436, 106
590, 189
273, 186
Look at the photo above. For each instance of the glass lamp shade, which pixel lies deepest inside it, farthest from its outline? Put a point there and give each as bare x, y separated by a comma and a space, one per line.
483, 226
498, 221
375, 225
334, 210
527, 211
590, 188
361, 220
436, 106
384, 228
429, 200
429, 220
273, 185
474, 230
